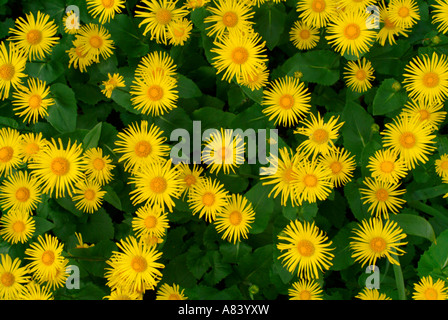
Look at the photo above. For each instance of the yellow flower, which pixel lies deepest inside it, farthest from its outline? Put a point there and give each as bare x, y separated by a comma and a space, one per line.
305, 290
189, 177
10, 152
303, 36
389, 30
316, 13
167, 292
150, 220
359, 75
71, 23
20, 191
112, 82
97, 167
431, 114
441, 166
156, 63
404, 13
34, 291
124, 294
427, 289
194, 4
440, 15
256, 80
95, 40
31, 145
88, 196
17, 226
81, 244
359, 5
13, 278
307, 249
78, 56
385, 165
341, 165
12, 65
179, 32
105, 9
372, 294
35, 36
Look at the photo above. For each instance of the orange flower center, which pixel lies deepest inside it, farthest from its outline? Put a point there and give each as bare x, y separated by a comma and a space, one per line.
190, 180
305, 34
287, 175
150, 222
352, 31
378, 244
35, 101
431, 294
382, 194
158, 184
235, 218
98, 164
108, 3
430, 79
444, 165
48, 258
361, 75
139, 264
7, 279
155, 92
305, 295
96, 41
174, 296
387, 166
336, 167
305, 248
6, 154
31, 148
318, 5
142, 149
403, 12
230, 19
7, 71
60, 166
310, 180
424, 115
22, 194
240, 55
407, 140
89, 194
18, 226
163, 16
208, 199
34, 37
320, 136
286, 101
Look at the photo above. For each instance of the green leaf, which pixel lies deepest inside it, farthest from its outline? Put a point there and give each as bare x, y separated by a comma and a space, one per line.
187, 88
255, 267
387, 99
341, 242
415, 225
262, 205
351, 191
92, 137
112, 198
63, 114
435, 259
270, 24
99, 226
429, 193
219, 269
8, 122
42, 225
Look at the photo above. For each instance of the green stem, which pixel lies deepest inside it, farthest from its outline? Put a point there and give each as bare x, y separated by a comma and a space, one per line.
399, 280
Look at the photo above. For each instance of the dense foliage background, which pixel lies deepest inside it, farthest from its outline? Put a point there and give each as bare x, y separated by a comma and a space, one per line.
195, 256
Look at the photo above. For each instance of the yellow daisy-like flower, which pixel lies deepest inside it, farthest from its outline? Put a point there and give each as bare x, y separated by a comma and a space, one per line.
389, 29
13, 277
35, 36
316, 13
94, 41
431, 114
135, 267
404, 13
189, 177
97, 167
359, 5
140, 145
167, 292
32, 102
113, 81
123, 294
78, 56
411, 138
45, 257
427, 289
238, 55
441, 166
375, 239
382, 196
150, 220
385, 165
81, 244
256, 80
303, 36
20, 192
34, 291
426, 78
348, 33
194, 4
58, 168
307, 249
179, 32
71, 23
17, 226
158, 16
208, 198
287, 101
154, 94
10, 153
105, 9
359, 75
31, 145
88, 196
223, 150
59, 279
157, 184
341, 164
371, 294
228, 15
281, 173
235, 219
321, 135
12, 65
156, 63
440, 15
305, 290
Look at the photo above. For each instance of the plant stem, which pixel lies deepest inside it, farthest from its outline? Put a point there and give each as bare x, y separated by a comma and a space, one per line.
399, 280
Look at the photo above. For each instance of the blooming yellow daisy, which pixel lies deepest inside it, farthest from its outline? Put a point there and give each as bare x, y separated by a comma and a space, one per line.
81, 244
97, 167
150, 220
208, 198
238, 55
441, 165
389, 29
12, 65
167, 292
426, 78
341, 164
440, 15
316, 13
10, 153
135, 267
404, 13
385, 165
34, 291
17, 226
287, 100
348, 33
157, 16
78, 56
179, 32
382, 196
13, 278
113, 81
35, 36
303, 36
31, 145
59, 278
256, 80
321, 135
94, 41
228, 15
71, 22
371, 294
375, 239
157, 184
235, 219
223, 150
194, 4
140, 145
88, 196
431, 114
154, 94
359, 75
411, 138
155, 63
105, 9
20, 191
359, 5
58, 168
305, 290
428, 289
123, 294
189, 176
307, 249
32, 102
